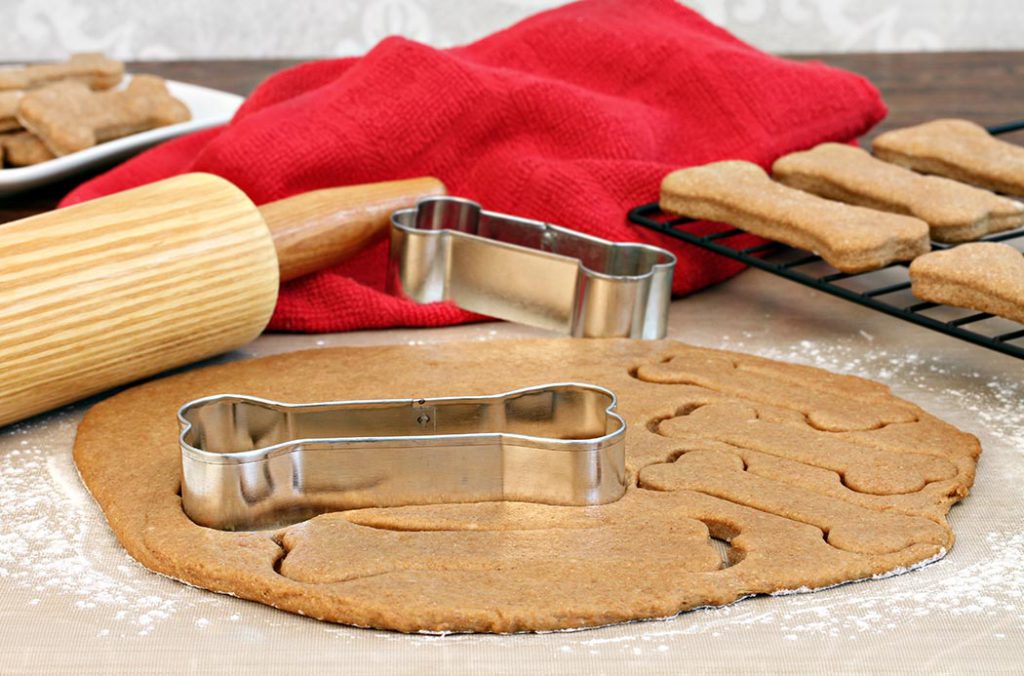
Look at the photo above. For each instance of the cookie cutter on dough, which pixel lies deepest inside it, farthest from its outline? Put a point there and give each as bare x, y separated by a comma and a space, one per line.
526, 271
250, 463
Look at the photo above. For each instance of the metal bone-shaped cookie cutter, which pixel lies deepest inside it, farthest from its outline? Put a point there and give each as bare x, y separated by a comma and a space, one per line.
251, 463
526, 271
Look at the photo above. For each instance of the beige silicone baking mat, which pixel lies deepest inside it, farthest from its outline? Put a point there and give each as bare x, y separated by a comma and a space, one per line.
71, 600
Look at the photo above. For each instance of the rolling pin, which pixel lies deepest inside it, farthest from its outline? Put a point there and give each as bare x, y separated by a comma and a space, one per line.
109, 291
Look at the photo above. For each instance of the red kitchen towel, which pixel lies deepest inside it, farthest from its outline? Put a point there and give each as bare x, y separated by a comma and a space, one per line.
571, 116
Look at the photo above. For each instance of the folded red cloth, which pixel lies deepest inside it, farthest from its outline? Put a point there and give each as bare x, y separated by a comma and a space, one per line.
571, 116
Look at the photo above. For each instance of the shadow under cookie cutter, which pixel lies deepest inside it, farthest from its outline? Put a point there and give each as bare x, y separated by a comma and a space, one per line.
527, 271
250, 463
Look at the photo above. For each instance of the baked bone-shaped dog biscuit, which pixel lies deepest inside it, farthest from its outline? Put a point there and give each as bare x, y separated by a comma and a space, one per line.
9, 111
954, 211
852, 239
983, 276
24, 148
957, 149
94, 70
68, 116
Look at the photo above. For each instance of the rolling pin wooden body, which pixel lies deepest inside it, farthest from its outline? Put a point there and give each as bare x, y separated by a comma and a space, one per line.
123, 287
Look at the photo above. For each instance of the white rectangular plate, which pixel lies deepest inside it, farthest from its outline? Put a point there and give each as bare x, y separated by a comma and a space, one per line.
209, 107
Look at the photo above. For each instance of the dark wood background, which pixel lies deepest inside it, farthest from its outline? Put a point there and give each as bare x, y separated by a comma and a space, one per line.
981, 86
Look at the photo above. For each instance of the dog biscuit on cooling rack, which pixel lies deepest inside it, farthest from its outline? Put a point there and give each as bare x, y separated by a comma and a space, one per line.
957, 149
954, 211
983, 276
94, 70
24, 148
852, 239
68, 116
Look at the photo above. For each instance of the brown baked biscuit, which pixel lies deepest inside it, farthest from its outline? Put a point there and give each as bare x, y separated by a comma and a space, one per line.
813, 478
94, 70
957, 149
24, 148
9, 110
852, 239
68, 116
983, 276
954, 211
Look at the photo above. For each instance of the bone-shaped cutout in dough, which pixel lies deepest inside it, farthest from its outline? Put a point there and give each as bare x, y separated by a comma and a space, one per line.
847, 526
864, 468
828, 410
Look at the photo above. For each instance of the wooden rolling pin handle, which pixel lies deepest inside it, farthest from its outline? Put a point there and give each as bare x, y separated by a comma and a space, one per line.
317, 229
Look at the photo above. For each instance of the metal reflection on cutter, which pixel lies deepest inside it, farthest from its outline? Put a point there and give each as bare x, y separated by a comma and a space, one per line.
250, 463
526, 271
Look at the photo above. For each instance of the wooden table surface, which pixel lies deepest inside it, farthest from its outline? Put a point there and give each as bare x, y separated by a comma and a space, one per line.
980, 86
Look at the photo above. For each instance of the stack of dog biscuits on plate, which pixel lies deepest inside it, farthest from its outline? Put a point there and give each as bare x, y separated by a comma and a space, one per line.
54, 109
860, 212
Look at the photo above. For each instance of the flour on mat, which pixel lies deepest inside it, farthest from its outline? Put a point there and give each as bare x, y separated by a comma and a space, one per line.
55, 546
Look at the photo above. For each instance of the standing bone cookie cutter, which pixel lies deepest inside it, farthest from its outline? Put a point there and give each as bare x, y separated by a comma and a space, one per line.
528, 271
251, 463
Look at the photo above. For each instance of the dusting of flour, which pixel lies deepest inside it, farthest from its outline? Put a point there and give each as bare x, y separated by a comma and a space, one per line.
56, 550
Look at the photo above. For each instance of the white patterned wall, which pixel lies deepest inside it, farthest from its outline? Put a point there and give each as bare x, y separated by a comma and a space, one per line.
196, 29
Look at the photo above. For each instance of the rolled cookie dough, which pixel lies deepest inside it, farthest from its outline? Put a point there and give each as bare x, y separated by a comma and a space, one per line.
812, 478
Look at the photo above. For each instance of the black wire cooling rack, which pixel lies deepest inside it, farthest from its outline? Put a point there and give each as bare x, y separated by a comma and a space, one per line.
886, 290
